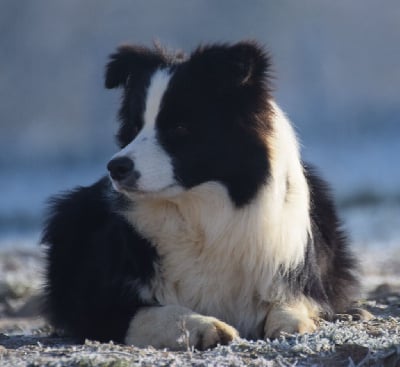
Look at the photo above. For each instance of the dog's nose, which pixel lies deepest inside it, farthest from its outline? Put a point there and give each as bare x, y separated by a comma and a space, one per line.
120, 168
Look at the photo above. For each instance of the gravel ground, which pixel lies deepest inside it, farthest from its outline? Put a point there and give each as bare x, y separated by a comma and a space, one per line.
26, 340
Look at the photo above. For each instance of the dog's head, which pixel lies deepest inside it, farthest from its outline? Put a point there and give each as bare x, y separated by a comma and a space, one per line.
190, 120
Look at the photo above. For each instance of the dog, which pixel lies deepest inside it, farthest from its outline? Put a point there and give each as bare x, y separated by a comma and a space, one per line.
208, 226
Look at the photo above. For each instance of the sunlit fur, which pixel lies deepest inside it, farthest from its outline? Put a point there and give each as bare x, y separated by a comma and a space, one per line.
215, 223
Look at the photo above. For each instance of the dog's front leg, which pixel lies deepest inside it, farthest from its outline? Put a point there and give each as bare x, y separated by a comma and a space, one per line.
176, 327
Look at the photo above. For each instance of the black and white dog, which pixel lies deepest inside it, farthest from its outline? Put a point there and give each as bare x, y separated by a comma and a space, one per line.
210, 227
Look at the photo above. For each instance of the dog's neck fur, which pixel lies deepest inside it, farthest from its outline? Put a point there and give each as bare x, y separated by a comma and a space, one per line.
248, 246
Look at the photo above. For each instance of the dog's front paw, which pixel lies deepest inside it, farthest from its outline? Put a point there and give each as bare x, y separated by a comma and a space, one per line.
205, 332
291, 318
177, 327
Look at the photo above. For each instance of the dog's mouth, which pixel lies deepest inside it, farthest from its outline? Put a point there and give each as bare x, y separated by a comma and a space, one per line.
124, 186
132, 190
120, 187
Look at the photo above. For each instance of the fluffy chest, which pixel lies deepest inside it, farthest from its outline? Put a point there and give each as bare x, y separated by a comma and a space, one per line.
210, 280
209, 262
220, 260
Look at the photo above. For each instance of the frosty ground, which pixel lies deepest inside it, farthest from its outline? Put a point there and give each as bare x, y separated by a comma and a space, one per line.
26, 339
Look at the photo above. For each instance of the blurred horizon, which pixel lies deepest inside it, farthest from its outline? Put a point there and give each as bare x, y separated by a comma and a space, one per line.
336, 73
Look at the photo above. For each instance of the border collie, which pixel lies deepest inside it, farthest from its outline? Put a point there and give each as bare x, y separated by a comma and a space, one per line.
209, 226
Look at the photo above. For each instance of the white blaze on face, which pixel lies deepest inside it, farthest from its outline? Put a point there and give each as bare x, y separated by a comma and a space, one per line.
150, 160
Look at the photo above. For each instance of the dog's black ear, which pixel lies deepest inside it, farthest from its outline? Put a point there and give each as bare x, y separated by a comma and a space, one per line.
240, 64
131, 61
250, 63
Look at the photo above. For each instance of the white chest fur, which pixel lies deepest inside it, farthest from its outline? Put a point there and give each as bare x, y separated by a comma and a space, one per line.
215, 259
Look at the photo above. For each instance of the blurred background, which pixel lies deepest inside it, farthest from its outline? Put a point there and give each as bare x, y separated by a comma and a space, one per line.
337, 67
